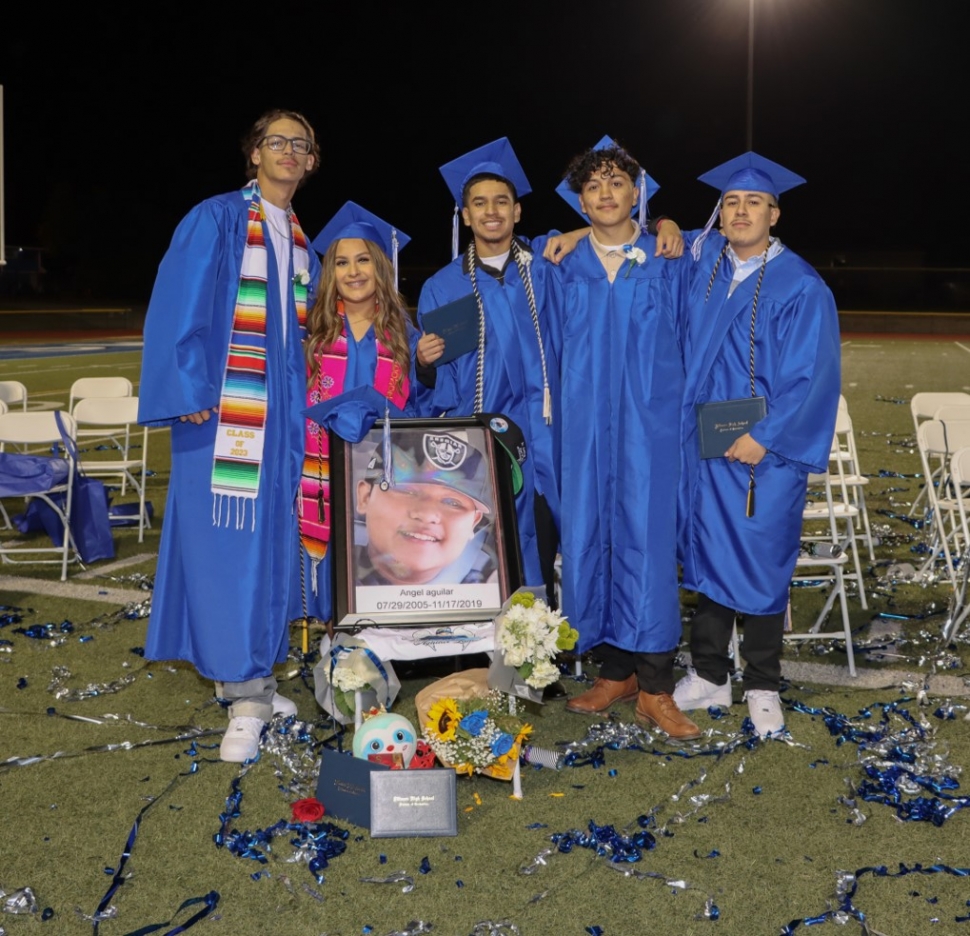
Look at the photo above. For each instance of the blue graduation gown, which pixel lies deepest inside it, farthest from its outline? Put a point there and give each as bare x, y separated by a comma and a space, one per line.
512, 382
361, 368
223, 597
622, 383
740, 562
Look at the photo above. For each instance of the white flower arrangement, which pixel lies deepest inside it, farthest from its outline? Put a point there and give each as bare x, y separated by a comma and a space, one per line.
349, 668
302, 277
635, 255
530, 635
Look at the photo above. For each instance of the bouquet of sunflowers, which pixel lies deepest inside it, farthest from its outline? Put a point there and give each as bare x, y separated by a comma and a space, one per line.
477, 735
530, 635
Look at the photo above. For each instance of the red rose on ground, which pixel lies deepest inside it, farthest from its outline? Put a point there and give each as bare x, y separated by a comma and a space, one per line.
307, 810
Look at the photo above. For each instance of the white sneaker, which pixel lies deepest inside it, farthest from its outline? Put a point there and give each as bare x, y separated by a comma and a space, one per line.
241, 741
695, 692
283, 706
764, 706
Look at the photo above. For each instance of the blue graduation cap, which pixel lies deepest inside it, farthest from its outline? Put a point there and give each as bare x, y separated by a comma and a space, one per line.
352, 414
353, 221
495, 158
746, 173
648, 187
751, 173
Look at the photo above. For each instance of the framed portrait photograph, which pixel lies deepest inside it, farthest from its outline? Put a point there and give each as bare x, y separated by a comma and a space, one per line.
423, 524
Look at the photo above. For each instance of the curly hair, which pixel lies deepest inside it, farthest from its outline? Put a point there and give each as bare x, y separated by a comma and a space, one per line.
599, 162
258, 130
324, 325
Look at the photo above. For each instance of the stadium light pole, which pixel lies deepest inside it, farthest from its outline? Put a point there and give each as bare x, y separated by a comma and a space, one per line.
750, 122
3, 236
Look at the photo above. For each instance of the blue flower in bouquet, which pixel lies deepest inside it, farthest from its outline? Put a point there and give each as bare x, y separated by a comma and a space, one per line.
474, 722
502, 744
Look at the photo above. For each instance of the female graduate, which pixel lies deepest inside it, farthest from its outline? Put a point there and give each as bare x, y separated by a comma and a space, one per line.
359, 334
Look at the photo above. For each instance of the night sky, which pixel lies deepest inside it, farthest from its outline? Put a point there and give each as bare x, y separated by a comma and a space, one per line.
117, 123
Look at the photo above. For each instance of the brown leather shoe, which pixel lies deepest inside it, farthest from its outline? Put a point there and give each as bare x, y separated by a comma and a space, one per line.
604, 695
660, 710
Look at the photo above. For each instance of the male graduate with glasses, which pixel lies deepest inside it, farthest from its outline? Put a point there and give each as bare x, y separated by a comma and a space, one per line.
763, 340
223, 368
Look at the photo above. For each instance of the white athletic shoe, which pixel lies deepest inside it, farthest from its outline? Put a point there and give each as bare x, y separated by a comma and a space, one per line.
241, 741
283, 706
695, 692
764, 707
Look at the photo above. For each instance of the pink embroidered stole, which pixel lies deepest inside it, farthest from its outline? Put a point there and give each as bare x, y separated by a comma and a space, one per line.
315, 483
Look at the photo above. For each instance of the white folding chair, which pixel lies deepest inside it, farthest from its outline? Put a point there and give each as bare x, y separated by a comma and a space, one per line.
98, 387
85, 387
936, 441
40, 429
839, 516
117, 415
821, 562
923, 406
959, 609
3, 512
844, 450
13, 392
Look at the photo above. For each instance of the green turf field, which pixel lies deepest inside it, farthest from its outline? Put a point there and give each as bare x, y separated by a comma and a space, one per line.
94, 737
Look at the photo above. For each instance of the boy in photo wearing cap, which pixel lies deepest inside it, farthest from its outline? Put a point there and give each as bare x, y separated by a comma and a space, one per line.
223, 368
515, 368
425, 526
359, 335
622, 387
761, 323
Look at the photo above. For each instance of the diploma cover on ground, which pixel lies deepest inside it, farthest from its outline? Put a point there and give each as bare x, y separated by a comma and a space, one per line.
391, 803
719, 424
457, 323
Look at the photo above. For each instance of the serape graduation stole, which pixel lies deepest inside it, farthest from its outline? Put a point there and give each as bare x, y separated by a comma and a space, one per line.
243, 404
391, 383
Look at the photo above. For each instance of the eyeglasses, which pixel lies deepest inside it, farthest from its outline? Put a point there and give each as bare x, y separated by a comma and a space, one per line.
301, 145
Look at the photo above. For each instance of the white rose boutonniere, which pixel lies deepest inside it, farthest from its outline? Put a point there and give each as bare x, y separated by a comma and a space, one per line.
302, 277
635, 255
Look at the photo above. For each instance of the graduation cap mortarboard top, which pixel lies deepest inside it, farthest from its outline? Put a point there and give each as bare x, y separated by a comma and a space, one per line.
353, 221
746, 173
423, 456
351, 415
648, 188
496, 158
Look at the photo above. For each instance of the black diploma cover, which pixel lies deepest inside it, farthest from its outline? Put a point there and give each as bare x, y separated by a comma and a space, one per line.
457, 323
719, 424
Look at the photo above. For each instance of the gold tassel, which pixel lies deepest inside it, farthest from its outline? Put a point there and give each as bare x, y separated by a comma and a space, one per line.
547, 406
750, 508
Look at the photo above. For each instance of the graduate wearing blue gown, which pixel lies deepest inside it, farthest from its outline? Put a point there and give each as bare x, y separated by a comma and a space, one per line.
226, 586
743, 564
520, 370
622, 385
359, 253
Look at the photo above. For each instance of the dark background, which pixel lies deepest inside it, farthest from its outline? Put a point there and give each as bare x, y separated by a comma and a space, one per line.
117, 122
